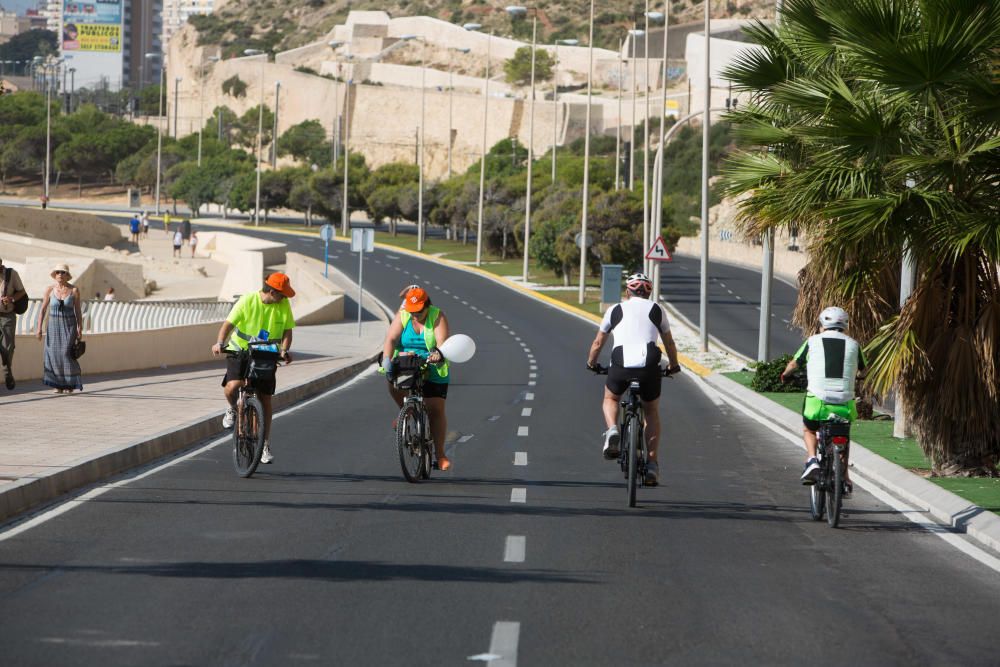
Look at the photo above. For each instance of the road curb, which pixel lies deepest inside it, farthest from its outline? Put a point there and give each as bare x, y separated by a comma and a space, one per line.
945, 506
26, 494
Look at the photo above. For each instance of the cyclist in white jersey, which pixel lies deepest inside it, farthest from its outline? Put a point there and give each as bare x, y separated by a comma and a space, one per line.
637, 324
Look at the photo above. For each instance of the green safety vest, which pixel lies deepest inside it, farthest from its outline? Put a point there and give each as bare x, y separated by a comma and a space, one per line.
429, 340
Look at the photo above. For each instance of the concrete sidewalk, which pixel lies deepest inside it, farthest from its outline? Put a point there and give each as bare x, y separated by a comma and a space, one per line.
55, 443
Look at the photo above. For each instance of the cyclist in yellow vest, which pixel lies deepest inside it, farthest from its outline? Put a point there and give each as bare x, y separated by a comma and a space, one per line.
419, 329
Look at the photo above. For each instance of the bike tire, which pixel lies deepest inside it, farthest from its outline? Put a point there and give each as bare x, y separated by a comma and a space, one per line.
248, 437
817, 502
632, 439
409, 443
834, 490
428, 443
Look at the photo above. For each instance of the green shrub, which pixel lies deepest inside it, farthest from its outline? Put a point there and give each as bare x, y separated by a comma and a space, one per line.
767, 376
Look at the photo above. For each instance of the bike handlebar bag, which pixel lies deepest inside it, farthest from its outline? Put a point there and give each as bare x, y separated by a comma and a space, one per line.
407, 370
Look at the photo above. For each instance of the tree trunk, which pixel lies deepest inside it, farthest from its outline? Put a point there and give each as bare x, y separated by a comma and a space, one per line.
503, 245
309, 210
79, 187
565, 272
966, 466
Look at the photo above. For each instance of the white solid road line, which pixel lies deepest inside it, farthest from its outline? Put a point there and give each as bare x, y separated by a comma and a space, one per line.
513, 551
526, 412
522, 431
96, 492
957, 540
520, 458
519, 494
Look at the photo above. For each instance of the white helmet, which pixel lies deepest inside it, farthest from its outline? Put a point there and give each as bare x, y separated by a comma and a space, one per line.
833, 318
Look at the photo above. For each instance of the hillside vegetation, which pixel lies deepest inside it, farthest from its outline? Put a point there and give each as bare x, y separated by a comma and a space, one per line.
277, 25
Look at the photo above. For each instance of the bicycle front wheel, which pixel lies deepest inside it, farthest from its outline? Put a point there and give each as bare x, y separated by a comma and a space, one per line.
834, 489
248, 436
632, 432
409, 442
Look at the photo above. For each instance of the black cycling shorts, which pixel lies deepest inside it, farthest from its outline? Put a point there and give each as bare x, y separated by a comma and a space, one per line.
433, 389
234, 371
650, 378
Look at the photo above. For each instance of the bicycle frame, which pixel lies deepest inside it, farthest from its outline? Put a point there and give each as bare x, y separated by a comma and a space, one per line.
632, 406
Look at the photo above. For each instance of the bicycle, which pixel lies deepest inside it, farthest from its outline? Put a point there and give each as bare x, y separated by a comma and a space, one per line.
826, 495
257, 362
413, 428
632, 456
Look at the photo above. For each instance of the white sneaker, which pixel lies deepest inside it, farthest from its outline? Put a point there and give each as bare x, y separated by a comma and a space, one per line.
229, 418
611, 440
266, 456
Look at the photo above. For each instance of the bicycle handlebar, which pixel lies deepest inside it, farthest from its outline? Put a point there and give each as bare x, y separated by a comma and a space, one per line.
598, 369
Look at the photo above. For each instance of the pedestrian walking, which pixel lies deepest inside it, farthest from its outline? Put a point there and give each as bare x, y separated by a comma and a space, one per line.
11, 291
194, 243
45, 201
166, 223
61, 304
186, 229
134, 227
144, 220
178, 242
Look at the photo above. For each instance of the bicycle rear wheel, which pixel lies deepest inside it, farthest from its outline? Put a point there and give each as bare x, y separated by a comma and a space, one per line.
248, 436
817, 501
834, 489
632, 438
412, 453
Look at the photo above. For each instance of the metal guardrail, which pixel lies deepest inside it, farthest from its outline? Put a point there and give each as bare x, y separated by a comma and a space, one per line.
121, 316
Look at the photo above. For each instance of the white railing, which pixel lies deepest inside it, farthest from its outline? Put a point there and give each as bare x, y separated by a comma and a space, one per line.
119, 316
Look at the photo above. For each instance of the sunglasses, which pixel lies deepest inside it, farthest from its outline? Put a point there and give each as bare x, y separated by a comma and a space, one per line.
61, 273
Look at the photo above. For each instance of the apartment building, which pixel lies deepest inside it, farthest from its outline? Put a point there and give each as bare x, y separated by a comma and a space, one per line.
177, 12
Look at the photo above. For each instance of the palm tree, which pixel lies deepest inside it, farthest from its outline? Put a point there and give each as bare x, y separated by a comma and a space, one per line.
875, 126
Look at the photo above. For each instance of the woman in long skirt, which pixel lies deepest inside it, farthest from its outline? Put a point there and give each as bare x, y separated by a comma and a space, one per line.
65, 326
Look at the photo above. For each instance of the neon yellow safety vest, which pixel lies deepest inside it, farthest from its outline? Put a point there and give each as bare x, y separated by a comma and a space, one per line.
429, 340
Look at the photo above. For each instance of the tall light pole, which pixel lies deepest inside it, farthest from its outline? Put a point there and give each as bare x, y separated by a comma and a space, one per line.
274, 130
634, 34
201, 105
706, 129
618, 128
345, 217
482, 159
767, 267
518, 11
420, 138
451, 95
177, 90
72, 87
647, 192
161, 130
49, 67
335, 128
586, 158
260, 130
657, 228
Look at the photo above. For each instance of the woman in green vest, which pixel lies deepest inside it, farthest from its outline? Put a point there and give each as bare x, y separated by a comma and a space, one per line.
419, 328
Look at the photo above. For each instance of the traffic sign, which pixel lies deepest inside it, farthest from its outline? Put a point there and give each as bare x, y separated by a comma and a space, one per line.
362, 238
659, 251
326, 232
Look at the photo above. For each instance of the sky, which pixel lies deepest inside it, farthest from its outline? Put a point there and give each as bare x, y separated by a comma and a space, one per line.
18, 5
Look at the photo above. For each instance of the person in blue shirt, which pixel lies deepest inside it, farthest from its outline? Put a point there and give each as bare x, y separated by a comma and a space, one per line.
134, 227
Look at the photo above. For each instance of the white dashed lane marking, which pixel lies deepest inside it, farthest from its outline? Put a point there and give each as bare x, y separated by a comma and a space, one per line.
522, 431
529, 396
513, 551
520, 458
519, 495
526, 412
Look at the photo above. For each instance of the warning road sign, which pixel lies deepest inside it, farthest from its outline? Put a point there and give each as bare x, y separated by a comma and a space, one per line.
659, 252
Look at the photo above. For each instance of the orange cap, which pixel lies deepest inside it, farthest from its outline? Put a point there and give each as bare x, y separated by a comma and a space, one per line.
415, 300
280, 282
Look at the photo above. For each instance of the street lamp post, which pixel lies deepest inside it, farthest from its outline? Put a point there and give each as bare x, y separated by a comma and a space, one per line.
274, 130
177, 90
201, 106
618, 125
647, 192
48, 67
160, 131
345, 206
482, 159
420, 138
72, 87
634, 34
335, 126
260, 130
706, 129
516, 11
586, 157
657, 227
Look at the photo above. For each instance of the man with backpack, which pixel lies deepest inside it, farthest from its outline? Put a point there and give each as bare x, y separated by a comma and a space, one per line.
13, 302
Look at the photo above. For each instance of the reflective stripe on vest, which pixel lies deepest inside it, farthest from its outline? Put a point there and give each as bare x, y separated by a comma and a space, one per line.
429, 339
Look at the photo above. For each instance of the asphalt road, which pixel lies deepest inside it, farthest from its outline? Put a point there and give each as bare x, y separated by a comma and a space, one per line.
733, 304
328, 556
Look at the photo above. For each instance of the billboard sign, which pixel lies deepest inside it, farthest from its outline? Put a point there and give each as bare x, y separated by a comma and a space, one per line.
92, 25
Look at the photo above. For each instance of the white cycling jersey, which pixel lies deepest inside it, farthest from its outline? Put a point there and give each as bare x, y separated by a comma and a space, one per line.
636, 325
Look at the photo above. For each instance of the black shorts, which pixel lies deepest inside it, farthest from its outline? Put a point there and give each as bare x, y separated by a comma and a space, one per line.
234, 371
433, 389
650, 379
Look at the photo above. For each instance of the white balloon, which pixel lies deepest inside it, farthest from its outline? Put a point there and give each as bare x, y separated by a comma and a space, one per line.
458, 348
